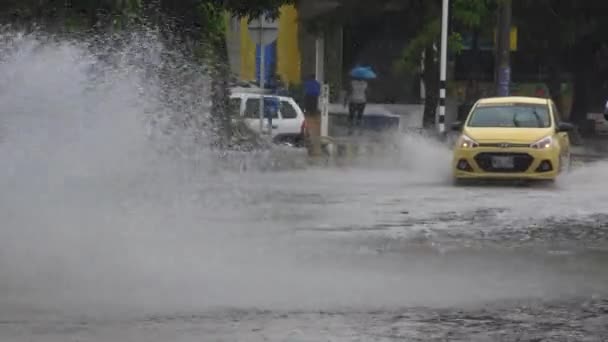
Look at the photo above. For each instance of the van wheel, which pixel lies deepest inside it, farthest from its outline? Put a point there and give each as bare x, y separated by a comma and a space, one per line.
285, 141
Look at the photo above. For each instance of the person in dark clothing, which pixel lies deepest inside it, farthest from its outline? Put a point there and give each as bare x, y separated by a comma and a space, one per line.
312, 91
271, 108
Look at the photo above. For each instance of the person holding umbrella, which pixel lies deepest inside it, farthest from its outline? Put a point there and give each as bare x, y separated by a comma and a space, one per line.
356, 98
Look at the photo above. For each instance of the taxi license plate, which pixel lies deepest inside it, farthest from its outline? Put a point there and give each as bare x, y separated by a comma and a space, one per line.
503, 162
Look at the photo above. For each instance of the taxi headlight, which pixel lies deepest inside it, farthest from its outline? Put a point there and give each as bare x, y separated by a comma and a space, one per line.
543, 143
466, 142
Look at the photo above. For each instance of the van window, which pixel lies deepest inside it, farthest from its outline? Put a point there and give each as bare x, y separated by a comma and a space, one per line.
252, 108
235, 106
287, 110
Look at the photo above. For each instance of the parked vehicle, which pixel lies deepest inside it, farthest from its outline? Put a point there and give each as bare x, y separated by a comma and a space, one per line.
288, 122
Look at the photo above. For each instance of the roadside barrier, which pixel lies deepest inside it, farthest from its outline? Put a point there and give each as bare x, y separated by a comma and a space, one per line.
346, 149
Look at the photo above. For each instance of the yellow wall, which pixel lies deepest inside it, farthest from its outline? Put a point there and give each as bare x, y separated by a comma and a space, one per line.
514, 36
288, 52
288, 49
247, 53
514, 33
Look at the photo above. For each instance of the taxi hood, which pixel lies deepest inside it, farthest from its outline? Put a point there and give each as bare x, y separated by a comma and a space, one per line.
507, 134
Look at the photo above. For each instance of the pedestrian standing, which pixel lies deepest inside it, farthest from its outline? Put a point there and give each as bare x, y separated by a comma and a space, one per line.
271, 108
357, 100
312, 91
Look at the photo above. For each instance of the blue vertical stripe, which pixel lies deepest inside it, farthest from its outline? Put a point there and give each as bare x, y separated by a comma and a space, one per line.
270, 61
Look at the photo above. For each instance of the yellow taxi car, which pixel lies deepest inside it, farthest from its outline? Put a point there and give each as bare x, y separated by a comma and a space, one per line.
512, 138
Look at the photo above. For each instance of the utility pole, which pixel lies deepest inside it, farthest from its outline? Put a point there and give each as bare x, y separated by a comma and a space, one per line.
503, 51
443, 66
265, 32
320, 76
262, 72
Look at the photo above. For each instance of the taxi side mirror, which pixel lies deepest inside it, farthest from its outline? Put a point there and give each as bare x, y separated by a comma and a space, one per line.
565, 127
457, 126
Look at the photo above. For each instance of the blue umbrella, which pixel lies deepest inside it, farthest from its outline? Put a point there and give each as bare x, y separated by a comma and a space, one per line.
365, 73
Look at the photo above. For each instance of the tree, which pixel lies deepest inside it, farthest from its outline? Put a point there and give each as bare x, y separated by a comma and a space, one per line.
469, 15
66, 14
569, 36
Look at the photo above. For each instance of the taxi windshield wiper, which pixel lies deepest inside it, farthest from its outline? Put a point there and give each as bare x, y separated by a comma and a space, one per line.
515, 122
538, 119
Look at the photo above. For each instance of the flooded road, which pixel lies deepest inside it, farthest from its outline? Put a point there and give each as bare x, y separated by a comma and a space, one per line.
337, 255
106, 238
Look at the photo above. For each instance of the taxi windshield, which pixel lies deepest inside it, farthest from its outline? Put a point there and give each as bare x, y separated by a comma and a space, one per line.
515, 115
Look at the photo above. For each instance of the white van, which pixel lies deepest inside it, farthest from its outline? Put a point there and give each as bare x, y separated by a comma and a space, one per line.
288, 123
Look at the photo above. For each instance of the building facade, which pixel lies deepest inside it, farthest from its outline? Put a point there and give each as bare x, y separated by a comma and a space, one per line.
282, 57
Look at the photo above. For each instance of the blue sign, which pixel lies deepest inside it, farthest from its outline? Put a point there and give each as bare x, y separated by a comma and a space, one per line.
270, 61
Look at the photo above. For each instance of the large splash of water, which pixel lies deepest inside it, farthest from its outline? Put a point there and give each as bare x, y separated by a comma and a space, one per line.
88, 196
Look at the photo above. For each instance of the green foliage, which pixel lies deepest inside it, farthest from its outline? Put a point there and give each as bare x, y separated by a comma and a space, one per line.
455, 44
472, 14
76, 11
564, 23
213, 16
427, 35
410, 62
253, 8
468, 14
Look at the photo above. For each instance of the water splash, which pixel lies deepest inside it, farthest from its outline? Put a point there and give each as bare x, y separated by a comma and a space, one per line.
85, 189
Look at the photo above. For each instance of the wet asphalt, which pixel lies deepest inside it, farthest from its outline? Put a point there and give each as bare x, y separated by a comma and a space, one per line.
340, 254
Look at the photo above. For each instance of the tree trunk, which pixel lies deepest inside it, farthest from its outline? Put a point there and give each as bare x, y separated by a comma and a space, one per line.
476, 67
554, 84
504, 49
582, 87
583, 69
431, 81
220, 109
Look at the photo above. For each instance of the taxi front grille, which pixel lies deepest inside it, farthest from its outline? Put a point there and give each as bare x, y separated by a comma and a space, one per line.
503, 145
521, 161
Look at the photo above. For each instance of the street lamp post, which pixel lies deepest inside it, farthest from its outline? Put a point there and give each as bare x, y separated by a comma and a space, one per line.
262, 71
264, 32
443, 66
504, 49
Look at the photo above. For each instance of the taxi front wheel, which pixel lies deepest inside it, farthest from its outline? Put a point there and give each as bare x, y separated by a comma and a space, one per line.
565, 164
